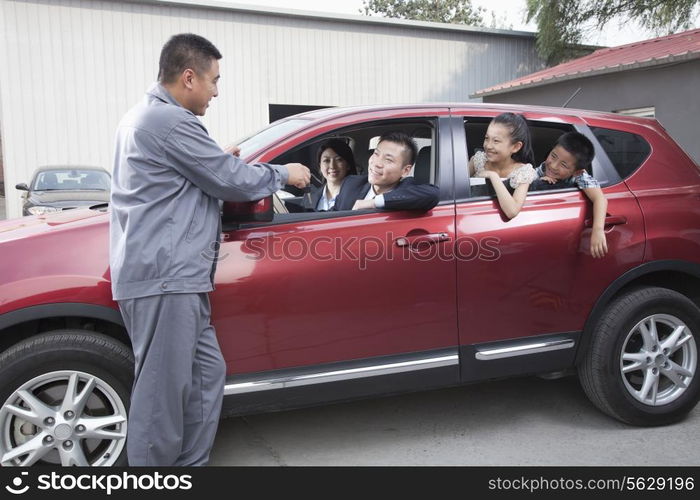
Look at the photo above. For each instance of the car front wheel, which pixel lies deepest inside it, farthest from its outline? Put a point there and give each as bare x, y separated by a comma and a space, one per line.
641, 367
65, 397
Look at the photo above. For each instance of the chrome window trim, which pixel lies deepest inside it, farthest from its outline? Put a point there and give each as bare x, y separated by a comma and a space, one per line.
524, 350
340, 375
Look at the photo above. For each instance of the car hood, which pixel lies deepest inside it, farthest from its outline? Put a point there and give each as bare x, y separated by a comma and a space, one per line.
67, 198
13, 229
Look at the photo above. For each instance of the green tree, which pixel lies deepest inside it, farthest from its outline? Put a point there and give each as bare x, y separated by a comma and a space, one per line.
561, 24
439, 11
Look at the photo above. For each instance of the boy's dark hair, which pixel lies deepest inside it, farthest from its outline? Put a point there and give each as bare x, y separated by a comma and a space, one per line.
519, 131
405, 140
185, 51
580, 147
342, 149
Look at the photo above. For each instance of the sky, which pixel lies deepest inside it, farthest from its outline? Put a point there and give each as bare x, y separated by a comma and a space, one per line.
513, 11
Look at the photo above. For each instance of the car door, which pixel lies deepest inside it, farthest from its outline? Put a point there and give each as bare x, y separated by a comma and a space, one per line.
527, 290
321, 288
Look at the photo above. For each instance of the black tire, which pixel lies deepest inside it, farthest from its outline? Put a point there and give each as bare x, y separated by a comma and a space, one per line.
629, 395
45, 366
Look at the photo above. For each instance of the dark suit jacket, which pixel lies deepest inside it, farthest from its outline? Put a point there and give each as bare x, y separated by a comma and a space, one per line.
316, 193
408, 195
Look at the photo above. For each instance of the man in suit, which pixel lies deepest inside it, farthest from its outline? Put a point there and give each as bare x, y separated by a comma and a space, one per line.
386, 186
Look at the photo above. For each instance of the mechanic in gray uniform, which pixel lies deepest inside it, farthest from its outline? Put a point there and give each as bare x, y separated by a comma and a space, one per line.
168, 177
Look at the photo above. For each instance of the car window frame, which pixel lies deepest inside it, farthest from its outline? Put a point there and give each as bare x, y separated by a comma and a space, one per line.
463, 188
443, 166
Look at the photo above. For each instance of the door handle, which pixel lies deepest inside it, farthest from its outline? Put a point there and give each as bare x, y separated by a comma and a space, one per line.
610, 220
421, 239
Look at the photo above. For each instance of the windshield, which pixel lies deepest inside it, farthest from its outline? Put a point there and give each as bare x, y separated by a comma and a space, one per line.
268, 135
71, 179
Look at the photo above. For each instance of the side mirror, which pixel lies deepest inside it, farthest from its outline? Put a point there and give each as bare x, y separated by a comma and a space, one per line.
22, 187
248, 211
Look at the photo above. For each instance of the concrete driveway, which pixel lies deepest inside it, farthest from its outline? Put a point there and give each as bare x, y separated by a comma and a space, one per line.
514, 422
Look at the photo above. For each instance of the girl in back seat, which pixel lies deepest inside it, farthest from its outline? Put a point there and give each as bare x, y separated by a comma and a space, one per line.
506, 161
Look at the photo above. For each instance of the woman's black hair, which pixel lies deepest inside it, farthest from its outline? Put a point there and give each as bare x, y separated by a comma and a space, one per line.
342, 149
519, 131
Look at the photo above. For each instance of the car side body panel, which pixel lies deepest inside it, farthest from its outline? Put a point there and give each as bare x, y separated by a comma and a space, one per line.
536, 275
344, 290
57, 258
667, 186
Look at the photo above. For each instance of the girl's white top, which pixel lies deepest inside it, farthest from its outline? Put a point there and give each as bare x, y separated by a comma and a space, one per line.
524, 174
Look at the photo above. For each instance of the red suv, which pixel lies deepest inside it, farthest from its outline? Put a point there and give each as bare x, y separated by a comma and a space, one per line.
315, 307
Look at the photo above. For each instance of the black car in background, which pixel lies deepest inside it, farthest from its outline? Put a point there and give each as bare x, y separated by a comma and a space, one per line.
62, 187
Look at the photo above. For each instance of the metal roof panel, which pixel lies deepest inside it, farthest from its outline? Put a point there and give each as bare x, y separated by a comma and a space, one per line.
679, 46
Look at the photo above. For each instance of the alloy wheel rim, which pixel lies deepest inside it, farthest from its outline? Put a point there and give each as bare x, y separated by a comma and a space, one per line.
65, 418
659, 359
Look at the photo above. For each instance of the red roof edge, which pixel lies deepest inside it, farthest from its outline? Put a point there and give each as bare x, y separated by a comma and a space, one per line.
655, 51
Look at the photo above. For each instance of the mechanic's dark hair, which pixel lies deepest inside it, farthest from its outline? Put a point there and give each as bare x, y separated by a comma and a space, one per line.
185, 51
406, 141
342, 149
519, 132
580, 147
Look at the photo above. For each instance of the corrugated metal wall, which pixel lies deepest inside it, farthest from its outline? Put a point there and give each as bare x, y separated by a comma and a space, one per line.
72, 68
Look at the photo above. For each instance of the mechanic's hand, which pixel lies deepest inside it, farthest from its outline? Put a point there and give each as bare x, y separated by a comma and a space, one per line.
599, 244
363, 204
548, 179
233, 149
299, 175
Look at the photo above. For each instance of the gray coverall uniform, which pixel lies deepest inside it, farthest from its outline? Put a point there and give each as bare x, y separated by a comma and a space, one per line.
168, 177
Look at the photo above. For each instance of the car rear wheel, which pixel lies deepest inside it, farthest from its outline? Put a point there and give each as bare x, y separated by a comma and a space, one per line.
641, 367
65, 397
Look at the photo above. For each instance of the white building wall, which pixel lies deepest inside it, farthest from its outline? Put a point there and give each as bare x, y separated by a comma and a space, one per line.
72, 68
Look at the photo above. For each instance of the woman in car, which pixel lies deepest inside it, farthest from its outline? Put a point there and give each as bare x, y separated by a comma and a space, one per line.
336, 162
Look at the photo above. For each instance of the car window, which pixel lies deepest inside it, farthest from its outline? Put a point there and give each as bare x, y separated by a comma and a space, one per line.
56, 180
544, 136
362, 140
273, 132
627, 151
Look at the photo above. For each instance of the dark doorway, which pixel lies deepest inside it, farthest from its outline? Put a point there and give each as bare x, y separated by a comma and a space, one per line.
279, 111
